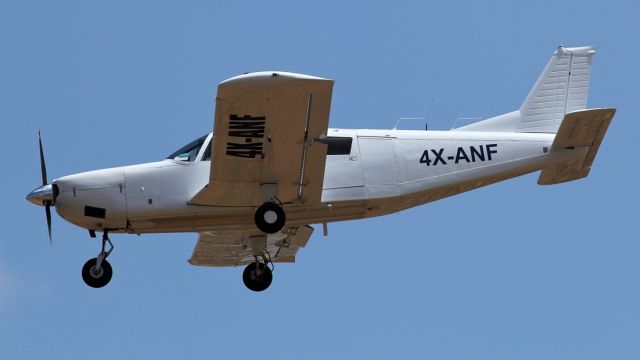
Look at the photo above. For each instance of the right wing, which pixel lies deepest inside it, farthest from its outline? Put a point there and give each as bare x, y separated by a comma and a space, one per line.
232, 247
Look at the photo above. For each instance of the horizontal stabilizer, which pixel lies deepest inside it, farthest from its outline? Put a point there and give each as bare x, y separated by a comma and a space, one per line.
579, 129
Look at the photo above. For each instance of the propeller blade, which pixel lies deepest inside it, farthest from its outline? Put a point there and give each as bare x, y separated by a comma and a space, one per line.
43, 166
47, 209
43, 170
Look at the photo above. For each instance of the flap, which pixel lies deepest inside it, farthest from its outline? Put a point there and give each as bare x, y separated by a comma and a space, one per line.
231, 247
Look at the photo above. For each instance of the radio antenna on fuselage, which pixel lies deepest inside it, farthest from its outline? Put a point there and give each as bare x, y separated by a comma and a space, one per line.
426, 124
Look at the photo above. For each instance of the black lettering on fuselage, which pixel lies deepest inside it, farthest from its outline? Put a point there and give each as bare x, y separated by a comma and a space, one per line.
438, 155
460, 154
491, 151
478, 154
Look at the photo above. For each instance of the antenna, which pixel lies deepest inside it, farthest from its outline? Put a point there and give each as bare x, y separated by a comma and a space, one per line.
426, 124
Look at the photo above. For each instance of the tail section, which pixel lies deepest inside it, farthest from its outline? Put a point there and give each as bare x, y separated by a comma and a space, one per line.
562, 88
557, 104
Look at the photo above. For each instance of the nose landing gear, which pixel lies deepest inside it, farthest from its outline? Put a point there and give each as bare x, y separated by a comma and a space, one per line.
97, 272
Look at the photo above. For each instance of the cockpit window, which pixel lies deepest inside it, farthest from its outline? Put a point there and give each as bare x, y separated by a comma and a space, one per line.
189, 151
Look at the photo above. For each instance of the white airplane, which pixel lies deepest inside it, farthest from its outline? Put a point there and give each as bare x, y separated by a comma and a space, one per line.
272, 166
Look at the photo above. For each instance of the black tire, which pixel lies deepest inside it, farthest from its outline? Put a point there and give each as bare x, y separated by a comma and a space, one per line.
256, 282
96, 281
265, 226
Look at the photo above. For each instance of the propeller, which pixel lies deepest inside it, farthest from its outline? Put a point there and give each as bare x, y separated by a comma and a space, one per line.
43, 170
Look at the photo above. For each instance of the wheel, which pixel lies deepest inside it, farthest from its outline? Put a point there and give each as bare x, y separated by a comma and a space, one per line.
96, 278
270, 218
255, 282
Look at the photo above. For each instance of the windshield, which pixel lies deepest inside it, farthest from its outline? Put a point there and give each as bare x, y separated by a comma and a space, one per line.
207, 152
189, 151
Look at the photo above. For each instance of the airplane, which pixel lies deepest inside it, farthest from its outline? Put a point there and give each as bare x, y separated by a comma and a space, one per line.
272, 166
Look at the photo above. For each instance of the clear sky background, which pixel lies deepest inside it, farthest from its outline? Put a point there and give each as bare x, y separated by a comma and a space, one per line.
511, 271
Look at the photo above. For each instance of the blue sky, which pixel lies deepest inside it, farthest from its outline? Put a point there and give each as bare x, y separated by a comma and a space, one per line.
514, 270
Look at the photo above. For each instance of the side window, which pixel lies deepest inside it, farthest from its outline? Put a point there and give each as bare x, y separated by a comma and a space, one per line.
338, 145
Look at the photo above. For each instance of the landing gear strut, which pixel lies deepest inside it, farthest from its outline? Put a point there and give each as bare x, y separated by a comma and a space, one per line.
270, 218
97, 272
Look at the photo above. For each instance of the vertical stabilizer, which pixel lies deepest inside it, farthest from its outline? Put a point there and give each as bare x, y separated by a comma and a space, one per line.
562, 88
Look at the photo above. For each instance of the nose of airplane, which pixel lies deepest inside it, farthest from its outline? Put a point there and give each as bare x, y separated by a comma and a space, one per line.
93, 200
43, 194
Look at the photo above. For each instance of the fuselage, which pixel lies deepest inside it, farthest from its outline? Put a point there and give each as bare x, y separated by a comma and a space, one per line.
273, 167
376, 173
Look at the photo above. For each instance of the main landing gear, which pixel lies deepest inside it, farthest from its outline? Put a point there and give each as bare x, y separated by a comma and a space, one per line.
270, 217
257, 276
97, 272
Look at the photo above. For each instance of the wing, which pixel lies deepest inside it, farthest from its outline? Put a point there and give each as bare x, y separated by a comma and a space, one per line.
232, 247
265, 140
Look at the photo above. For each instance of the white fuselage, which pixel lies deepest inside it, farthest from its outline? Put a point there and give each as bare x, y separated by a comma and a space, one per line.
385, 171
